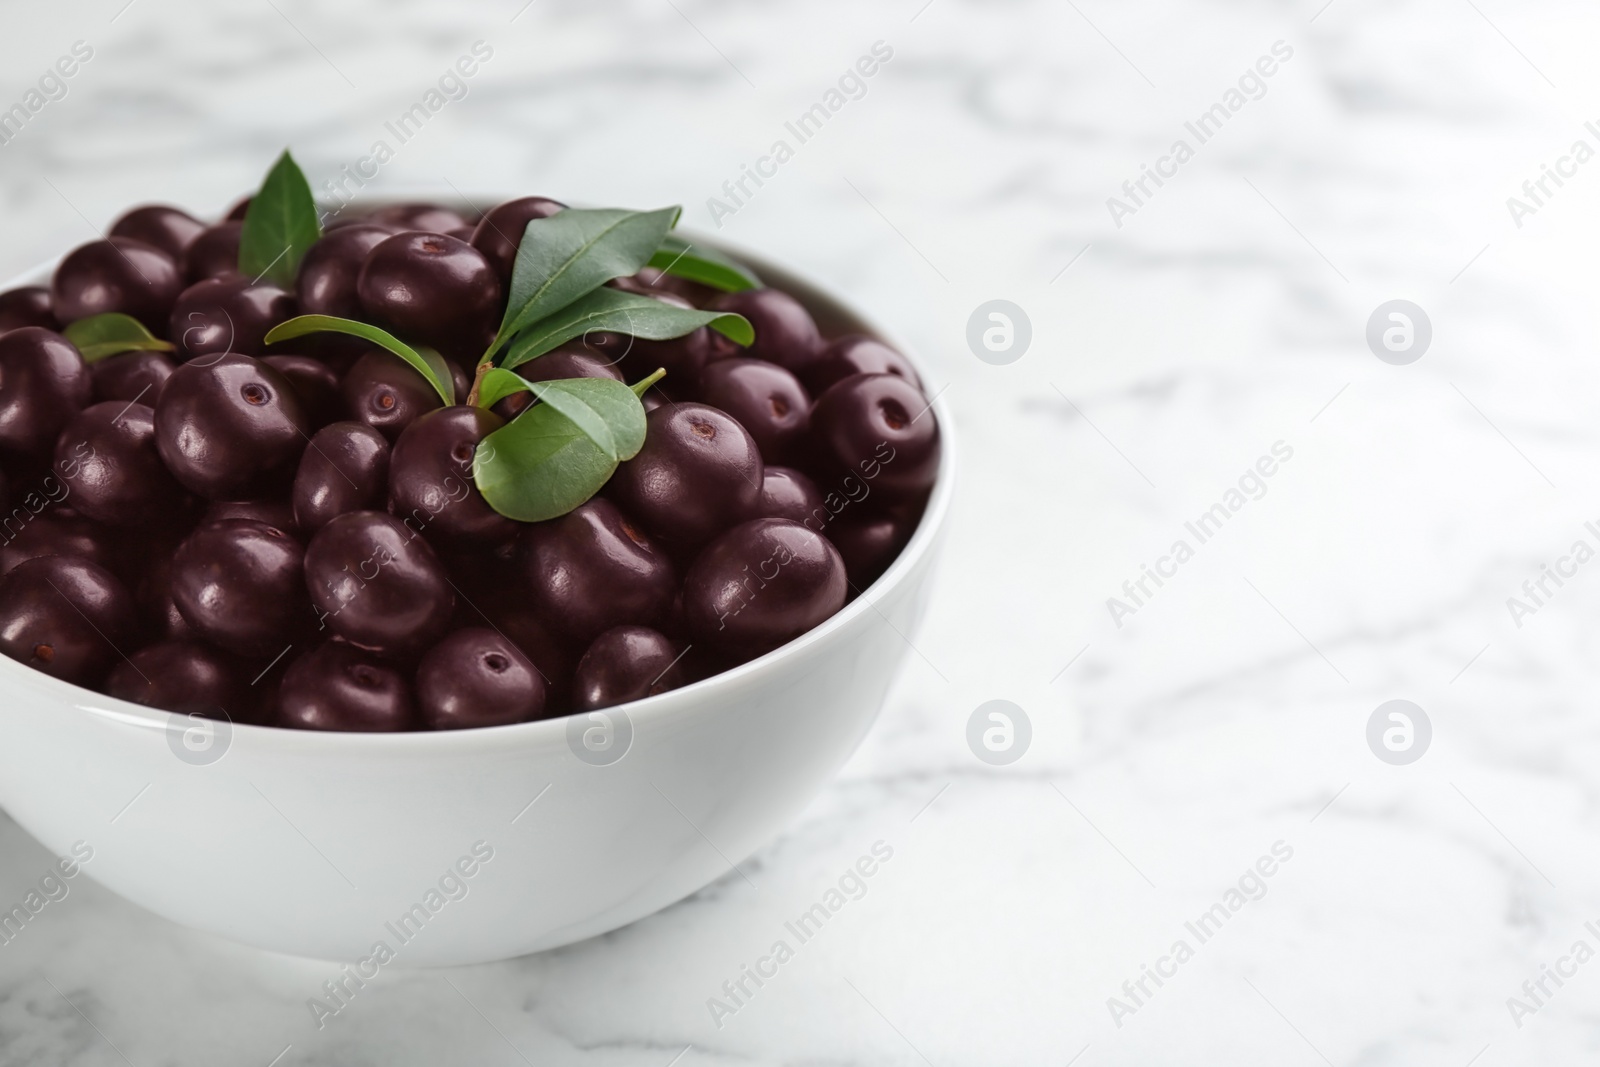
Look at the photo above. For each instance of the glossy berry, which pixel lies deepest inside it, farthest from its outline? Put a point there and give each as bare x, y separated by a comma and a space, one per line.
131, 376
186, 677
761, 585
385, 393
377, 584
327, 282
27, 306
314, 382
477, 677
159, 617
44, 383
592, 569
785, 332
213, 254
273, 511
65, 616
683, 358
430, 477
229, 427
241, 585
107, 456
227, 314
119, 274
625, 664
878, 428
165, 228
788, 494
766, 400
868, 545
499, 233
338, 687
698, 474
856, 354
344, 468
434, 290
58, 532
433, 218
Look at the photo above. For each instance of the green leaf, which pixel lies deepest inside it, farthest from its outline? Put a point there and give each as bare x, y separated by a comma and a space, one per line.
99, 336
425, 361
619, 312
499, 384
707, 266
568, 254
562, 450
279, 226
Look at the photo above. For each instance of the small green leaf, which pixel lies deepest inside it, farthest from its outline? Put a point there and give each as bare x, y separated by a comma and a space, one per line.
568, 254
99, 336
620, 312
425, 361
707, 266
606, 410
499, 384
279, 226
562, 450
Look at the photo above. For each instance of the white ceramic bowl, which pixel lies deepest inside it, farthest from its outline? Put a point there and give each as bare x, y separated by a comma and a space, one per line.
319, 844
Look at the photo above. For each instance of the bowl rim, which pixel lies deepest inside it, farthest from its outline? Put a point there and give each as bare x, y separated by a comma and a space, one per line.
553, 730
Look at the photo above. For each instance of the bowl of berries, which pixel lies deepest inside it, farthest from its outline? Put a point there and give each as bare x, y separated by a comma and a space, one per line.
416, 583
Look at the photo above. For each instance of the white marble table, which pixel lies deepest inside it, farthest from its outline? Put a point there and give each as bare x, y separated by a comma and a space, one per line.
1222, 719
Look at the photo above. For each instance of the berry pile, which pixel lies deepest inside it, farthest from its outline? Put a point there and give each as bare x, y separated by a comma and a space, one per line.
292, 533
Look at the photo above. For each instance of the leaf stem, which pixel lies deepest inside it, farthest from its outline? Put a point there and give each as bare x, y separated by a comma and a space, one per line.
477, 382
642, 386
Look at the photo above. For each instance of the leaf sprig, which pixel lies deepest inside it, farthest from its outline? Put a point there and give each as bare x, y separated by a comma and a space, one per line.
563, 448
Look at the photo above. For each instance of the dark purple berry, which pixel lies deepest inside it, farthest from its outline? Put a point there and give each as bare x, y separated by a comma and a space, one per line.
186, 677
119, 274
762, 584
433, 218
108, 458
229, 427
241, 585
592, 569
876, 428
165, 228
384, 392
227, 314
336, 686
377, 584
56, 533
869, 544
785, 332
214, 253
44, 383
499, 233
327, 282
625, 664
430, 477
27, 306
434, 290
766, 400
698, 474
131, 376
856, 354
788, 494
344, 468
477, 677
65, 616
314, 382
